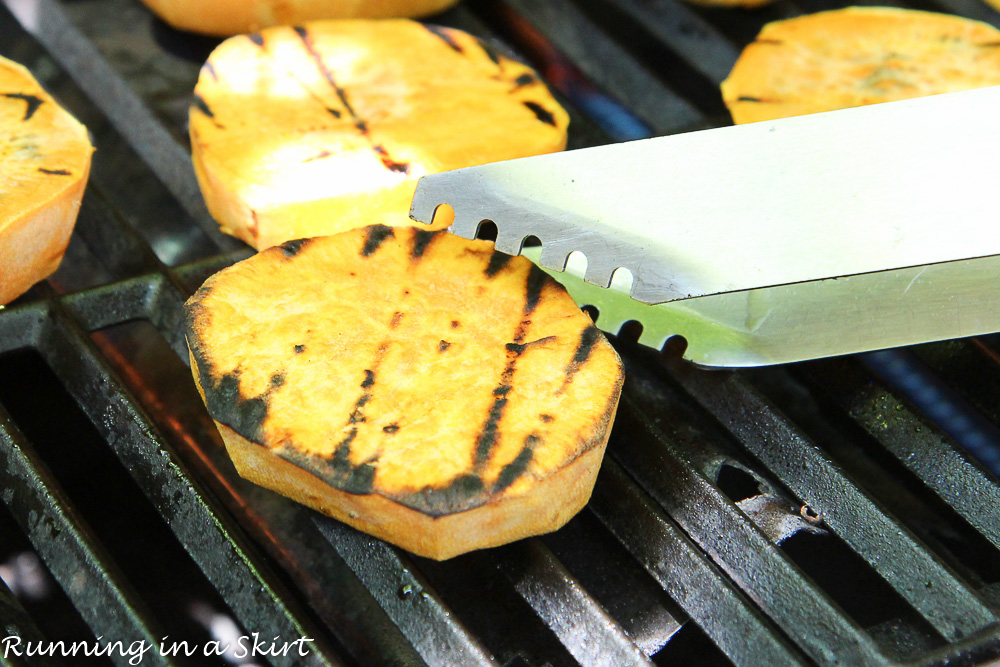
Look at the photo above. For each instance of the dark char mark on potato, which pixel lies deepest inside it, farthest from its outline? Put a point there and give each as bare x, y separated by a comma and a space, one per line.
445, 37
55, 172
490, 432
32, 102
541, 113
387, 161
376, 235
421, 240
498, 260
462, 493
588, 338
510, 472
293, 247
201, 105
222, 394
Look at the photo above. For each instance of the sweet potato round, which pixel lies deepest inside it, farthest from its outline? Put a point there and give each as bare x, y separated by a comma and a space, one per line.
312, 130
426, 389
856, 56
235, 17
44, 165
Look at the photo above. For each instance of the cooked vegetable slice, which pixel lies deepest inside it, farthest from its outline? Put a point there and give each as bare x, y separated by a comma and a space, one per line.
235, 17
44, 164
307, 131
423, 388
856, 56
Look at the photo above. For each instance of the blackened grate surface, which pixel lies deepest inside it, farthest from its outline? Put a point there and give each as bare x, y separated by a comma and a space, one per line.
825, 512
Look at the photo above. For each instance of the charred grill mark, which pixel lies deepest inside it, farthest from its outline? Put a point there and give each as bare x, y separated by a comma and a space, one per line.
277, 379
462, 493
546, 419
445, 36
294, 247
338, 472
323, 69
55, 172
521, 347
256, 38
387, 161
490, 52
201, 105
488, 436
541, 113
748, 98
32, 102
537, 279
223, 399
588, 338
524, 80
376, 235
390, 428
510, 472
210, 68
443, 346
455, 324
319, 156
334, 112
299, 349
421, 240
498, 260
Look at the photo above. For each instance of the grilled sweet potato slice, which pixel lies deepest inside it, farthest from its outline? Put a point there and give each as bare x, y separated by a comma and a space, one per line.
235, 17
426, 389
44, 165
857, 56
308, 131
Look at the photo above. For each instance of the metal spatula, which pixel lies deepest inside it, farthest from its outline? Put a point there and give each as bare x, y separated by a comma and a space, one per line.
771, 242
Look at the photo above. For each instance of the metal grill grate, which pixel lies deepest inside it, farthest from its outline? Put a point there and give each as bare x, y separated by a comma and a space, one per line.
796, 515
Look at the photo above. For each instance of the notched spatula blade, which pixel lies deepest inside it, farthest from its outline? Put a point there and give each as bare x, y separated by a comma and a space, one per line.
778, 241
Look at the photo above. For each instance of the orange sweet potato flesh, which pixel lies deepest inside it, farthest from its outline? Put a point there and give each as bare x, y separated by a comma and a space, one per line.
235, 17
44, 165
313, 130
426, 389
856, 56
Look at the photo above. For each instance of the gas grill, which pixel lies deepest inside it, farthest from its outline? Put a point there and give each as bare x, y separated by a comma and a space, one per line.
843, 511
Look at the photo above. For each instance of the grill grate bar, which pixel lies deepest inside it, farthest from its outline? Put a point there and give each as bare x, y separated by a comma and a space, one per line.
79, 563
736, 627
16, 622
683, 31
423, 617
599, 58
917, 444
737, 546
581, 624
925, 582
242, 580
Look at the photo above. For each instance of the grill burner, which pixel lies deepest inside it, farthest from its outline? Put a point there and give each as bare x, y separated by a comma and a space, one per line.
803, 514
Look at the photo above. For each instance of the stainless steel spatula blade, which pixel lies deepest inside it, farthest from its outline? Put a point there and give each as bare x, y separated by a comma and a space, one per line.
771, 242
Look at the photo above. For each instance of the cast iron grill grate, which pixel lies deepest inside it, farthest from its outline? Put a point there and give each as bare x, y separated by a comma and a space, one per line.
796, 515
